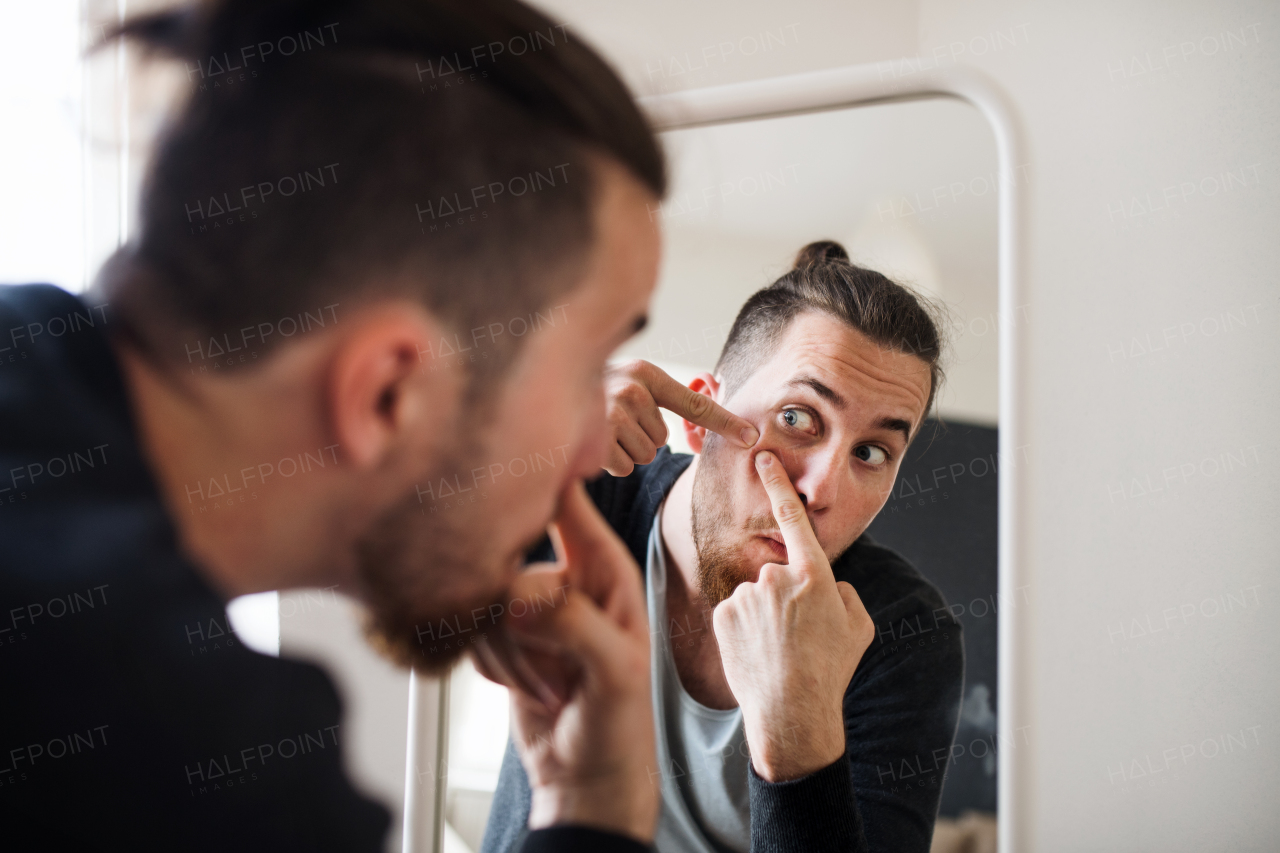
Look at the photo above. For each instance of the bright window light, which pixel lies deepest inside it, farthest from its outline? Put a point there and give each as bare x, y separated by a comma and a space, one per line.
41, 166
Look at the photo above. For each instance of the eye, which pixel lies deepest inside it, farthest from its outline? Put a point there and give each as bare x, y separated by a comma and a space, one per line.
798, 419
871, 454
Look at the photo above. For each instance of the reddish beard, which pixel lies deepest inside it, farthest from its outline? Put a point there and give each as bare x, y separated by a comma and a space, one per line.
720, 543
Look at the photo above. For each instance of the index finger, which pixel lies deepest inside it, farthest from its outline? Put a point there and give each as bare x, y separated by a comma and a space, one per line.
699, 408
803, 550
597, 562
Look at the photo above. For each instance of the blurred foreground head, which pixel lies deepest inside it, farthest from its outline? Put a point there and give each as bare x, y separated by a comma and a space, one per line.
469, 166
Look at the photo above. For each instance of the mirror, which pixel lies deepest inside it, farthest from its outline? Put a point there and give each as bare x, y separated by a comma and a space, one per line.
910, 190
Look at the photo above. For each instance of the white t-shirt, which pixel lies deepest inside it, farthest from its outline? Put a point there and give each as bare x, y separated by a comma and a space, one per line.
702, 752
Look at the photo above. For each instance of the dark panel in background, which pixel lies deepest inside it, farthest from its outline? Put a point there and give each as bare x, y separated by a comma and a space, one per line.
942, 517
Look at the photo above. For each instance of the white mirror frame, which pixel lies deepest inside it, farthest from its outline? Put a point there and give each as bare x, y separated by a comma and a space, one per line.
866, 85
836, 89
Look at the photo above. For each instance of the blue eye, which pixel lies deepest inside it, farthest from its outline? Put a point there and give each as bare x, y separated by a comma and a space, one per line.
871, 454
798, 419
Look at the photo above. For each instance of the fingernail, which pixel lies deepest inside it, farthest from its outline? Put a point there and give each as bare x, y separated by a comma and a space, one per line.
750, 435
763, 460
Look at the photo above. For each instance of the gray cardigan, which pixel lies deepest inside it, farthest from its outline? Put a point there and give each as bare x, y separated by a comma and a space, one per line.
900, 709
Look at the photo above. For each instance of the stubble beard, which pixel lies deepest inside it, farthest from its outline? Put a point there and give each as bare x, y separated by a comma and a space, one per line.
721, 563
426, 569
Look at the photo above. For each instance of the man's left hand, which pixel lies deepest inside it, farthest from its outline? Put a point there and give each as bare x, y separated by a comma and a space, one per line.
789, 643
578, 669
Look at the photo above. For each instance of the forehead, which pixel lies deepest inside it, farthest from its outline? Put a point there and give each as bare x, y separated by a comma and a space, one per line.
875, 380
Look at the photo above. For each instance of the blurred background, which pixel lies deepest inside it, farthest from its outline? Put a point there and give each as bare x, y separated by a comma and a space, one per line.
1152, 132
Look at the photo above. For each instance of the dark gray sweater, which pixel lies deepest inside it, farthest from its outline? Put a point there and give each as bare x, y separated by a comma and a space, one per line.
900, 709
132, 717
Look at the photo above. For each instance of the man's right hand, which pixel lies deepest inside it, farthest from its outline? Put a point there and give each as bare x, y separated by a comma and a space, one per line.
574, 650
634, 393
790, 642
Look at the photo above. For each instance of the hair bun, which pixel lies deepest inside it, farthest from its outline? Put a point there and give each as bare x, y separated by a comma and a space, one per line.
819, 252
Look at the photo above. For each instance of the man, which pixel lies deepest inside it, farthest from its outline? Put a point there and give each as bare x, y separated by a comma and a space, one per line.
348, 282
780, 726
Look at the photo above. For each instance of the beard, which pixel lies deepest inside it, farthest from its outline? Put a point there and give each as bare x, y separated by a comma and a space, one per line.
718, 540
433, 579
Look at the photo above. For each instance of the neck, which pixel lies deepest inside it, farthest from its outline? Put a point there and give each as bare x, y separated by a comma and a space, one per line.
696, 653
218, 448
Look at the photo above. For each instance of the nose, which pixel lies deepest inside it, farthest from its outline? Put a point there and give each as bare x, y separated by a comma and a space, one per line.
591, 452
817, 475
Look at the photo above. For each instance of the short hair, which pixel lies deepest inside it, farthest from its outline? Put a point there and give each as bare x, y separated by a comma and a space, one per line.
824, 280
342, 151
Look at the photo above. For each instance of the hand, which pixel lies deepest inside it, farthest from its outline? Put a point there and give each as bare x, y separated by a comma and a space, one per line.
634, 391
578, 669
789, 643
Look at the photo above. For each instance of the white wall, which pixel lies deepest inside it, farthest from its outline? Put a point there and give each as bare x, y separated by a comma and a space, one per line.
1134, 113
1108, 553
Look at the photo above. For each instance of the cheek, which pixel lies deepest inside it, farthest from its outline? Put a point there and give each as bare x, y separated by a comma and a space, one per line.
581, 432
545, 410
870, 489
733, 477
849, 515
865, 500
552, 429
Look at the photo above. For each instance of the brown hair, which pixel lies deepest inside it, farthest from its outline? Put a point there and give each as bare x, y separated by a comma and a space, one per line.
445, 150
823, 279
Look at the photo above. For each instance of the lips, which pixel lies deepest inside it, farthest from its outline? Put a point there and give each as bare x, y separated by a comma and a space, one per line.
773, 541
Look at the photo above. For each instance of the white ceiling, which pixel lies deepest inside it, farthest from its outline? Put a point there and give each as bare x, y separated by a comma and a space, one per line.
666, 45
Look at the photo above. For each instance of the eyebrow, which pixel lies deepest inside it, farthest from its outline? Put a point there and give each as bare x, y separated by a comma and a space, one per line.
821, 389
825, 392
897, 424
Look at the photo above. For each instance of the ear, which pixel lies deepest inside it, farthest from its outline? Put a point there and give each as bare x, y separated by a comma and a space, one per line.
383, 385
703, 383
